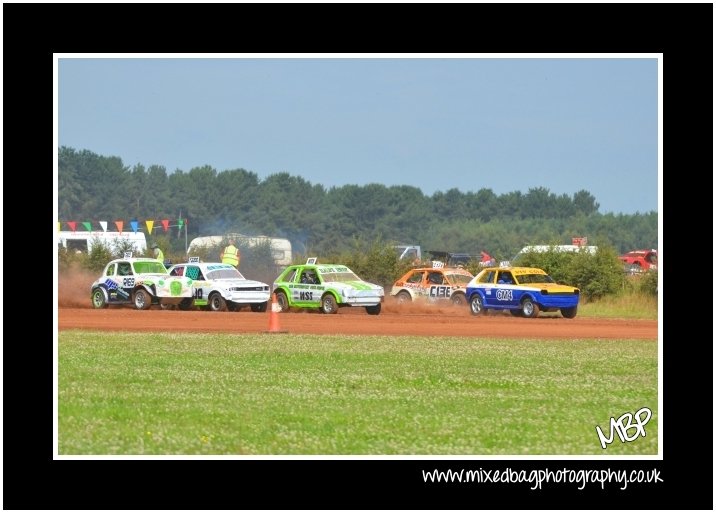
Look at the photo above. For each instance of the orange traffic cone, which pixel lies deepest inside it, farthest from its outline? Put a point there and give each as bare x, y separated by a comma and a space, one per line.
273, 317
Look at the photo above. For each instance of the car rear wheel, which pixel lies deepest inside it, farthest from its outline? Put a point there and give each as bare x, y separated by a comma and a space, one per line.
282, 301
529, 308
373, 310
569, 313
403, 297
476, 305
259, 307
217, 303
186, 304
142, 299
328, 304
99, 299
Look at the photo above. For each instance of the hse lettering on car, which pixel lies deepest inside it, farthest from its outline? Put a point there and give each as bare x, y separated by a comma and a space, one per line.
326, 287
524, 291
432, 284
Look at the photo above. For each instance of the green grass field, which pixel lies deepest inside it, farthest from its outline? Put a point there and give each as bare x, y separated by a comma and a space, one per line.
264, 394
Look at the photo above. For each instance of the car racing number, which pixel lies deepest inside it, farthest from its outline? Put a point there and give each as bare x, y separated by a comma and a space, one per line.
128, 282
503, 294
440, 291
305, 295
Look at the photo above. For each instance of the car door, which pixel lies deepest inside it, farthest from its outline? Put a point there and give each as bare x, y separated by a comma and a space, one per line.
506, 293
303, 290
488, 287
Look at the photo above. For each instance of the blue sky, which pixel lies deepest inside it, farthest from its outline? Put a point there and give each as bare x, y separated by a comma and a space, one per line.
505, 124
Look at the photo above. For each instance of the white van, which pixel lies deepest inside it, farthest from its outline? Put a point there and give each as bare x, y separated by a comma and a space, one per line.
280, 248
85, 241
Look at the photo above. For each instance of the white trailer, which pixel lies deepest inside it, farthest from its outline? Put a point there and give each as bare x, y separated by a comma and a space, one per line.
85, 241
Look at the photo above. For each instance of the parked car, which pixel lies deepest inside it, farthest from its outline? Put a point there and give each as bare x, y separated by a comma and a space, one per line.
433, 284
142, 282
640, 260
220, 287
326, 287
524, 291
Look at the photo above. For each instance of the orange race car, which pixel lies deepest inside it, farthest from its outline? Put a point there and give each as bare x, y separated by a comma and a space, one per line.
432, 284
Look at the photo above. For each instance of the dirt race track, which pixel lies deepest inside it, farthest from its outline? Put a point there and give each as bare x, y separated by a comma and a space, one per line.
393, 320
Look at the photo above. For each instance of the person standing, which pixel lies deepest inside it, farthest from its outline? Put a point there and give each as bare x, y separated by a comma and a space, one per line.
158, 253
231, 254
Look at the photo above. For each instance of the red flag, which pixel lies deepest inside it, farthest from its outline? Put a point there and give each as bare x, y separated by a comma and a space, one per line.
119, 224
72, 225
165, 224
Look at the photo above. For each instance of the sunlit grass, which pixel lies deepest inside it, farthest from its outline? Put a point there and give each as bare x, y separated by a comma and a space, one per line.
128, 393
632, 305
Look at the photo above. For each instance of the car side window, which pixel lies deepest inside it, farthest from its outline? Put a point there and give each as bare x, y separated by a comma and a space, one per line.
124, 269
505, 277
290, 276
415, 278
194, 273
177, 271
110, 270
436, 278
488, 277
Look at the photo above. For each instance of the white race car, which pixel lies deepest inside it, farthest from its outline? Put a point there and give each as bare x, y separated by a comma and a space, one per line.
220, 287
142, 282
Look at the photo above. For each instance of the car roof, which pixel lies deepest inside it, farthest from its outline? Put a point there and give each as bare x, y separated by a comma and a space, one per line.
134, 259
205, 264
516, 269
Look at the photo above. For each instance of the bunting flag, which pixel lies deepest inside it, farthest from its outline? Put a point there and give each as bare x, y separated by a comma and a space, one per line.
119, 223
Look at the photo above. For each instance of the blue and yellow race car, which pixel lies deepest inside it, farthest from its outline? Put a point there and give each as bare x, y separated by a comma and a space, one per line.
524, 291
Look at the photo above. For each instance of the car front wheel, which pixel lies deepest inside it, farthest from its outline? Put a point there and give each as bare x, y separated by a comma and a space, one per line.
328, 304
373, 310
99, 300
458, 299
569, 313
217, 303
403, 297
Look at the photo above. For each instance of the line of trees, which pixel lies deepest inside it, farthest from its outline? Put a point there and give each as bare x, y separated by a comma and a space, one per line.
318, 220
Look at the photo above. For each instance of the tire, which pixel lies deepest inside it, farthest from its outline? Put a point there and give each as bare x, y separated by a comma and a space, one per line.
217, 303
259, 307
328, 304
476, 305
569, 313
529, 309
403, 297
99, 299
458, 299
282, 301
373, 310
142, 300
186, 304
516, 313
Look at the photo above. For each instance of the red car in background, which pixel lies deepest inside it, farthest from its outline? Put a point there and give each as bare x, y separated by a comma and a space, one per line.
640, 260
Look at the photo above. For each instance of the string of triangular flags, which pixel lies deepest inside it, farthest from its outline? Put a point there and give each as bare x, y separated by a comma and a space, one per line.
134, 225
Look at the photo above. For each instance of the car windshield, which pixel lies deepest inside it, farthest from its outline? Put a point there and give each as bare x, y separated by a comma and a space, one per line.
459, 279
534, 278
149, 267
344, 276
224, 274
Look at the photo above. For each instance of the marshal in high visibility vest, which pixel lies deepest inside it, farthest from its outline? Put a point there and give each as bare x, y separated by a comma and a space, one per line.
231, 254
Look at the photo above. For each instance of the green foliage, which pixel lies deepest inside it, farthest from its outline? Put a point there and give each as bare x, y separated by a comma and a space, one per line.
98, 257
330, 221
374, 261
649, 283
595, 275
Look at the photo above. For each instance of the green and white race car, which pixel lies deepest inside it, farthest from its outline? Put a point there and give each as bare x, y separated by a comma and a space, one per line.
327, 287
